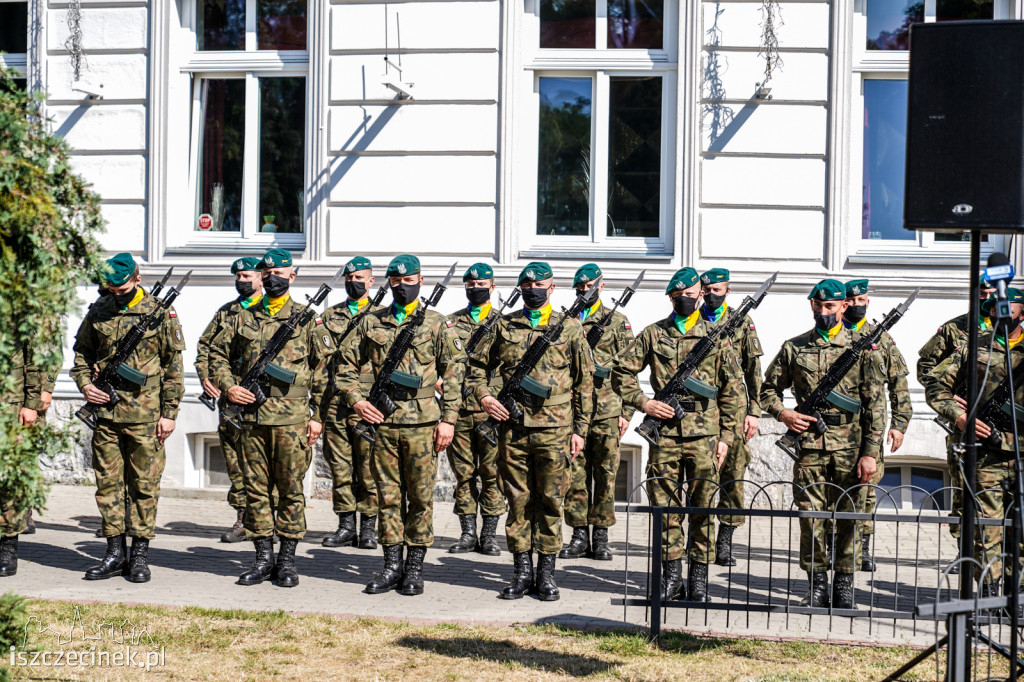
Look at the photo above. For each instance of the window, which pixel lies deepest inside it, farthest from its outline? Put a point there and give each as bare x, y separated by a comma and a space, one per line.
208, 470
879, 124
598, 127
14, 34
914, 487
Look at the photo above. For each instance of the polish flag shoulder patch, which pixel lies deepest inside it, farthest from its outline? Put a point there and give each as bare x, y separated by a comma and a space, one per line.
448, 322
173, 314
751, 326
319, 320
627, 325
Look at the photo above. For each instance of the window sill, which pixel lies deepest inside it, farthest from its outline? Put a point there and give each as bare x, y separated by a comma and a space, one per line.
232, 243
296, 61
919, 257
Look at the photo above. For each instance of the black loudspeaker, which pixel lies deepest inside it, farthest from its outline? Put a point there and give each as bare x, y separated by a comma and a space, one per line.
965, 127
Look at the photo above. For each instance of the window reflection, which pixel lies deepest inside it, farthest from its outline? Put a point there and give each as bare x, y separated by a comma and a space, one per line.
282, 122
888, 23
930, 482
14, 27
890, 481
222, 145
635, 23
956, 10
568, 23
563, 174
885, 132
634, 157
221, 24
281, 24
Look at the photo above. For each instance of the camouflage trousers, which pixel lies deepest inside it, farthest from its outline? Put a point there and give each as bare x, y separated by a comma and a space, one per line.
348, 455
590, 499
129, 461
833, 472
276, 459
994, 467
404, 469
230, 440
533, 463
956, 480
474, 462
731, 475
673, 463
867, 527
12, 521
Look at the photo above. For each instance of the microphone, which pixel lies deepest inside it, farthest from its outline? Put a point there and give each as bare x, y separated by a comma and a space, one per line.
999, 273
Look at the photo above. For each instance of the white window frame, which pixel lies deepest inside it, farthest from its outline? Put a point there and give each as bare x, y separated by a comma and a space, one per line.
920, 246
904, 498
18, 61
600, 64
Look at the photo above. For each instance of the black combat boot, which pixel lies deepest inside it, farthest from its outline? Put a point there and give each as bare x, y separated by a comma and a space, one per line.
388, 579
113, 562
818, 594
30, 525
698, 579
599, 546
522, 577
723, 547
138, 562
579, 545
8, 556
263, 567
346, 534
367, 532
467, 541
544, 584
842, 591
488, 537
237, 532
866, 562
672, 586
284, 570
412, 581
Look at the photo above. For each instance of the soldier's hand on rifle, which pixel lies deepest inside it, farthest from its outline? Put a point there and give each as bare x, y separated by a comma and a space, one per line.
866, 468
576, 444
750, 425
210, 389
368, 413
623, 427
164, 428
796, 422
313, 431
240, 396
95, 371
45, 397
658, 410
26, 416
494, 408
980, 428
721, 450
895, 440
960, 402
443, 434
95, 395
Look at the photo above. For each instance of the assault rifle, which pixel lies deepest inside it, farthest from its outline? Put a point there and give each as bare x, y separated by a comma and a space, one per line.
683, 379
825, 393
256, 379
597, 330
483, 330
390, 382
116, 373
521, 387
994, 412
159, 286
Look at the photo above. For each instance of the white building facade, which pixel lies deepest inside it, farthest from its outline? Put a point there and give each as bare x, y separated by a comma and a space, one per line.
633, 134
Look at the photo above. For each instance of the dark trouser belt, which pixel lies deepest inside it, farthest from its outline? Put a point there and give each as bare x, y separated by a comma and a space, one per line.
403, 393
838, 419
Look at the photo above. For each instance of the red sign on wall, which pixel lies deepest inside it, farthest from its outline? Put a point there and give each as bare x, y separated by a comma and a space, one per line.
205, 221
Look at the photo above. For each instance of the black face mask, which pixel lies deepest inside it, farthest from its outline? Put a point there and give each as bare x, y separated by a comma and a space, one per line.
713, 301
244, 288
856, 313
355, 290
404, 294
825, 322
276, 285
478, 295
125, 299
684, 305
534, 298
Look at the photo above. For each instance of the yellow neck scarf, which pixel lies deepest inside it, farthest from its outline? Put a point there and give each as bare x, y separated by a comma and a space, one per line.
538, 317
403, 311
355, 306
273, 305
135, 300
685, 324
251, 301
831, 333
589, 311
480, 312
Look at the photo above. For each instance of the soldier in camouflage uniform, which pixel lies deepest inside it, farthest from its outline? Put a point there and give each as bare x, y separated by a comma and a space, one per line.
249, 285
276, 437
693, 447
347, 454
128, 443
534, 449
591, 495
995, 462
28, 400
404, 463
747, 349
846, 455
473, 460
949, 337
894, 375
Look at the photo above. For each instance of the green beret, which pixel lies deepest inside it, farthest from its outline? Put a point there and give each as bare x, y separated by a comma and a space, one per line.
247, 263
358, 263
403, 265
828, 290
478, 271
122, 268
535, 271
586, 273
1012, 295
982, 284
276, 258
856, 287
714, 275
683, 279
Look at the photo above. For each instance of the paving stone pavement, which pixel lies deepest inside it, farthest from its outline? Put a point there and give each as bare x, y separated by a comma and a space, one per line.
192, 567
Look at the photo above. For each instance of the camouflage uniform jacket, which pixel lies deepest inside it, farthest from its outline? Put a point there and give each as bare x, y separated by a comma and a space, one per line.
30, 381
566, 367
747, 348
893, 371
952, 372
337, 319
158, 356
941, 346
617, 336
434, 353
235, 351
662, 347
222, 320
463, 327
801, 364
